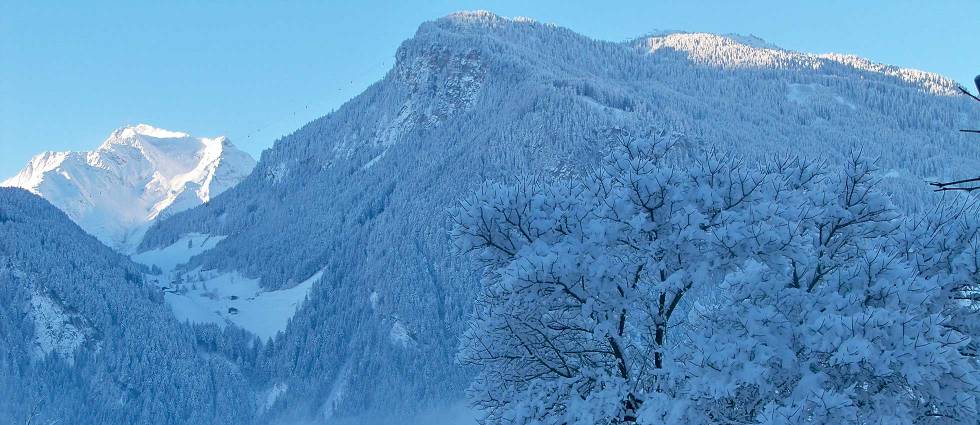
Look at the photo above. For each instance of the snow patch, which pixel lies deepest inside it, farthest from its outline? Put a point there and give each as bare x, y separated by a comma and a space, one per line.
400, 335
806, 94
272, 395
55, 330
801, 93
178, 253
337, 392
277, 173
374, 160
840, 99
894, 174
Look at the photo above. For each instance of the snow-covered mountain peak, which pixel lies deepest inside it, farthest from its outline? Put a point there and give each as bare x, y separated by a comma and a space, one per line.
480, 21
172, 154
730, 50
138, 174
483, 18
669, 36
752, 40
733, 51
132, 131
479, 16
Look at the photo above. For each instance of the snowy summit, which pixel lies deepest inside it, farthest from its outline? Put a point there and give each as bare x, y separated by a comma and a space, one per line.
139, 174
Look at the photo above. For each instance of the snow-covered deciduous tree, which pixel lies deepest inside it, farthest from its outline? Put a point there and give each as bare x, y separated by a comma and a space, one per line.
680, 286
586, 278
943, 243
852, 325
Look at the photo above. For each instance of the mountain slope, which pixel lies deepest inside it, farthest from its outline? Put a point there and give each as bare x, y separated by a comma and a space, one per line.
83, 340
360, 195
139, 174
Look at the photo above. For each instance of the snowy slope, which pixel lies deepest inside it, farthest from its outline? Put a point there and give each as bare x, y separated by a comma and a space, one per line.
361, 194
85, 340
198, 296
139, 174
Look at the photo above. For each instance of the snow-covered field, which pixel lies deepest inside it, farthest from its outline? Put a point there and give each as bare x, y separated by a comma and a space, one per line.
208, 296
168, 258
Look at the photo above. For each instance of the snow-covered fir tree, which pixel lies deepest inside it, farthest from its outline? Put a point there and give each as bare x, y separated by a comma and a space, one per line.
85, 340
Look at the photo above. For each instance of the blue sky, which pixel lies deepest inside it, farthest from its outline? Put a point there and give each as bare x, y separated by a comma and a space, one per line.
72, 71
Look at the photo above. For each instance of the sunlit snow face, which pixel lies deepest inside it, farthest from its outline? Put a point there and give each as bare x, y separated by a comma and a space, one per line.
138, 175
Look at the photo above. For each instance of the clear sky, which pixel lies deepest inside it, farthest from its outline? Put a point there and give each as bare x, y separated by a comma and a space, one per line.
72, 71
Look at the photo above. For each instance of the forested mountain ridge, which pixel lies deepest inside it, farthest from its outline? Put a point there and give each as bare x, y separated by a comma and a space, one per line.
138, 174
361, 193
83, 340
